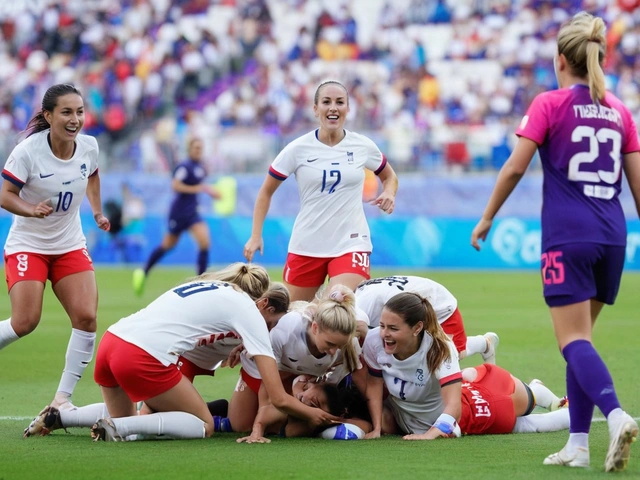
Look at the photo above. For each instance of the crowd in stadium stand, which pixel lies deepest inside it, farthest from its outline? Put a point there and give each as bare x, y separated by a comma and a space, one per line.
430, 79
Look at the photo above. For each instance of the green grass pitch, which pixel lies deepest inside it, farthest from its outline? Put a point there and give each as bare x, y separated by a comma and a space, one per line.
507, 303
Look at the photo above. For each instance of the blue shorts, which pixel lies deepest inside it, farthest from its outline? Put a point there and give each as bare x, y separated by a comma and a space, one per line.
575, 272
180, 223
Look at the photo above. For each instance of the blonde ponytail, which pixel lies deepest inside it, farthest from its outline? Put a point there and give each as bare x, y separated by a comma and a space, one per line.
583, 43
250, 278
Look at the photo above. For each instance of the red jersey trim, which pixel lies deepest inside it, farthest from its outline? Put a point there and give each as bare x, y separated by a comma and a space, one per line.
455, 377
381, 167
277, 175
13, 179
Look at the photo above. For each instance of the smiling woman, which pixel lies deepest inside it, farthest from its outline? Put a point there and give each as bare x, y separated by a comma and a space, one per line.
330, 235
45, 180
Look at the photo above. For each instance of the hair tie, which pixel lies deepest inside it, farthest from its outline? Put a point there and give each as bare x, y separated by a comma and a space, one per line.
337, 296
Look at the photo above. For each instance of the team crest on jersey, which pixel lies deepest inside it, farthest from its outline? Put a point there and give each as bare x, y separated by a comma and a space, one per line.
83, 175
420, 374
350, 158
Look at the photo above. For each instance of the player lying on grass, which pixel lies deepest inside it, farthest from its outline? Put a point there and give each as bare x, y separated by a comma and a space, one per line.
493, 402
344, 401
429, 397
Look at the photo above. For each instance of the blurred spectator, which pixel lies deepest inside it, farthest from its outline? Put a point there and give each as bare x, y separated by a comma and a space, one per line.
244, 66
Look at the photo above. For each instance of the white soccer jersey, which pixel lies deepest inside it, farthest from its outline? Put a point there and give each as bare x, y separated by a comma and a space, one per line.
371, 295
331, 221
289, 342
208, 356
42, 176
193, 315
413, 392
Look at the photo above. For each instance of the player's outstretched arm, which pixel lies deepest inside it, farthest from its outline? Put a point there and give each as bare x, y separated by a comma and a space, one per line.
509, 176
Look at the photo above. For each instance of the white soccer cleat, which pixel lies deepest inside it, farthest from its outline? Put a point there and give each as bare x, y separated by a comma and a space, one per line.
622, 434
492, 341
104, 429
47, 421
579, 459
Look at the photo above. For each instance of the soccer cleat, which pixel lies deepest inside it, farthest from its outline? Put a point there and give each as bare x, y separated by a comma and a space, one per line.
492, 341
47, 421
579, 459
622, 434
104, 429
138, 281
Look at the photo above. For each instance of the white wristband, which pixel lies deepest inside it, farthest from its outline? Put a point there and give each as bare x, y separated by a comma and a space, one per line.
445, 423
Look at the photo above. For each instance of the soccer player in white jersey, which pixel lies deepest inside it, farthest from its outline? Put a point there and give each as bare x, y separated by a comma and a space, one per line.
45, 180
316, 341
371, 295
136, 358
202, 360
330, 236
410, 354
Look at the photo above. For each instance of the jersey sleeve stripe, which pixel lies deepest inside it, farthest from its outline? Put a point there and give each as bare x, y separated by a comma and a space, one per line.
373, 371
94, 172
15, 180
382, 165
453, 378
277, 175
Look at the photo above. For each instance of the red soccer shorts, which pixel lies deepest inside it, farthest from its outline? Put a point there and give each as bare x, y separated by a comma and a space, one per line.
141, 376
454, 327
304, 271
487, 406
37, 266
190, 369
251, 382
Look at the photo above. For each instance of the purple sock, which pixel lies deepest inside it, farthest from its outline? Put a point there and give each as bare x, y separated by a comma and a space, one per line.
155, 256
591, 374
580, 405
203, 260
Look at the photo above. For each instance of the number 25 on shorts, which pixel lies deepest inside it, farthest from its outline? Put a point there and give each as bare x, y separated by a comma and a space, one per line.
552, 268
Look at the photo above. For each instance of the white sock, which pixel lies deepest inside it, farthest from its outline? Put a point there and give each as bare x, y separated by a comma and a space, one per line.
79, 354
476, 344
543, 422
83, 416
614, 415
544, 397
7, 333
576, 440
177, 425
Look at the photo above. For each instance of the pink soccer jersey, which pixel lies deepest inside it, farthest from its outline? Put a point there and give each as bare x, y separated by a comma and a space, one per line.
581, 146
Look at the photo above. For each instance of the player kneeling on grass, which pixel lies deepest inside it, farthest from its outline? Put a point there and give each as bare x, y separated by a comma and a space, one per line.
203, 360
133, 363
